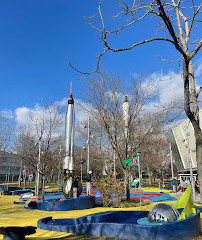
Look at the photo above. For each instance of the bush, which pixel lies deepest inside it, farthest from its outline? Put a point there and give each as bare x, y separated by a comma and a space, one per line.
111, 189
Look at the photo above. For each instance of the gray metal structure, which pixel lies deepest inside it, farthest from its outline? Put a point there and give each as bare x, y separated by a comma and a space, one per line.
183, 145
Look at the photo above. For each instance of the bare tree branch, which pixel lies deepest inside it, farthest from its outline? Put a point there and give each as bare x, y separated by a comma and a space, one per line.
195, 50
199, 91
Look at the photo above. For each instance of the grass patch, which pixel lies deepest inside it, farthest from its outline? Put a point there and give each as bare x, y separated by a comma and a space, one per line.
85, 237
132, 203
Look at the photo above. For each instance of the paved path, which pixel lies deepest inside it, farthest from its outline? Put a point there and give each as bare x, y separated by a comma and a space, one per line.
179, 194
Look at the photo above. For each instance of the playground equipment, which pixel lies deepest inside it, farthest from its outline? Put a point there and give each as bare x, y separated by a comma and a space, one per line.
163, 213
32, 202
67, 204
135, 183
133, 224
25, 196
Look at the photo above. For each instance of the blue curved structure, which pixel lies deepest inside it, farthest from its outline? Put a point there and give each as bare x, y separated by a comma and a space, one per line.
3, 188
82, 202
124, 224
18, 192
20, 203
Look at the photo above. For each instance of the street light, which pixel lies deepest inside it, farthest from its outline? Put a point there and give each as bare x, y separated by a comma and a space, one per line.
59, 170
38, 166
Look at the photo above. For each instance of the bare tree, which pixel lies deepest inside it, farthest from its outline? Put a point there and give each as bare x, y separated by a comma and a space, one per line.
6, 131
154, 155
175, 22
98, 147
26, 149
105, 98
45, 127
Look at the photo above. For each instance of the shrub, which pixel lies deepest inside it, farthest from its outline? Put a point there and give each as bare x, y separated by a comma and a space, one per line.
111, 189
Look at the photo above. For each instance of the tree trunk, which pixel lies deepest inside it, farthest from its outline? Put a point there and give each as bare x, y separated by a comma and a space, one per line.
126, 180
24, 178
43, 187
150, 177
199, 159
194, 118
129, 180
19, 178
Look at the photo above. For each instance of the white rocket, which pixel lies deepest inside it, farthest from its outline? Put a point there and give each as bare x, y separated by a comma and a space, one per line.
126, 116
69, 135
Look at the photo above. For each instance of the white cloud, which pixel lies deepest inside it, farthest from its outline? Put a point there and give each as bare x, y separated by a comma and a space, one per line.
169, 88
198, 70
62, 103
7, 114
22, 115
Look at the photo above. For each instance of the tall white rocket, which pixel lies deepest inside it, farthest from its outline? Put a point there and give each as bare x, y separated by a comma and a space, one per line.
126, 117
69, 135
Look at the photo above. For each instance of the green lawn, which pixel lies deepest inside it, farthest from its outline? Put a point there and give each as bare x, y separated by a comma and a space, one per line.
82, 237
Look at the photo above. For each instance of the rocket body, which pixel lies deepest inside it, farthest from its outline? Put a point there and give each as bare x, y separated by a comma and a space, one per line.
126, 116
69, 136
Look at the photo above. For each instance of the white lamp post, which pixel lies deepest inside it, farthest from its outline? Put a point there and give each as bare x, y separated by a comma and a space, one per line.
38, 169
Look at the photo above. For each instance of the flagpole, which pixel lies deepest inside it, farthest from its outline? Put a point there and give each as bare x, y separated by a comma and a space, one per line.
138, 155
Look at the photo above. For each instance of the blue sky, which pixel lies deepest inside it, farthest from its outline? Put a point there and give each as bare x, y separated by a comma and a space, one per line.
39, 38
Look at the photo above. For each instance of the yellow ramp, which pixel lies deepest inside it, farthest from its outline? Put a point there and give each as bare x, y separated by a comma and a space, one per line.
186, 202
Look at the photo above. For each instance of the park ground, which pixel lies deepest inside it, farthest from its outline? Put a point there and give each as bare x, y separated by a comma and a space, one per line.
15, 215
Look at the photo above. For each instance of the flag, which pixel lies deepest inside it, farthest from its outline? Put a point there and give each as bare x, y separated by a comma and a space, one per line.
131, 161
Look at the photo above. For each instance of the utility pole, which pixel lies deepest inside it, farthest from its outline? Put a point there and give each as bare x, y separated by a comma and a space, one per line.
60, 159
81, 169
38, 166
138, 155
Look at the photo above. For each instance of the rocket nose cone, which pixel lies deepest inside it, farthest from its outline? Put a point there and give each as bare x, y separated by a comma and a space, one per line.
126, 99
71, 100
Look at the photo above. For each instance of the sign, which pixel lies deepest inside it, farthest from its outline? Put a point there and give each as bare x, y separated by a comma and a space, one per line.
82, 161
131, 161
